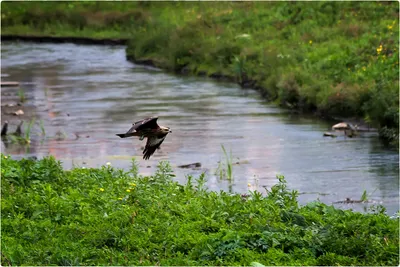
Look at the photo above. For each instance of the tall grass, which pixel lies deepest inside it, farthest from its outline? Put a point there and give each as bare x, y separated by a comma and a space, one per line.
21, 95
224, 170
42, 128
28, 131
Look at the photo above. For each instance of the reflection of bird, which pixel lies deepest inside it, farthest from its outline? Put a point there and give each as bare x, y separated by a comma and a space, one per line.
148, 128
18, 132
4, 128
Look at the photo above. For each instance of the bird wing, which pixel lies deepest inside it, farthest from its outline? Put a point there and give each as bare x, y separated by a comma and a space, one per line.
152, 144
150, 123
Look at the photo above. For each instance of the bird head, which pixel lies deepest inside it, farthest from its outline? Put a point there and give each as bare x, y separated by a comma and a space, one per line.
165, 129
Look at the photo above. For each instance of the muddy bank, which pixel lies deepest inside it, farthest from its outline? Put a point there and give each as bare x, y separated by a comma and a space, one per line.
56, 39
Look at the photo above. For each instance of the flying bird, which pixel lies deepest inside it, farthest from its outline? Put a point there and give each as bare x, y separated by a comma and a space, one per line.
148, 128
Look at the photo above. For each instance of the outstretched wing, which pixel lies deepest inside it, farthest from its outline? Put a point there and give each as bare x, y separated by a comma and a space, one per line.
150, 123
152, 144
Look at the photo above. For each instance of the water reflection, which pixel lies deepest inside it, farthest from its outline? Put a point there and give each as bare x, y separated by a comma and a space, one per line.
89, 93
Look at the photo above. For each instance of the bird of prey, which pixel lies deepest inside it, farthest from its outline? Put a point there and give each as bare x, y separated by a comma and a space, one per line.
148, 128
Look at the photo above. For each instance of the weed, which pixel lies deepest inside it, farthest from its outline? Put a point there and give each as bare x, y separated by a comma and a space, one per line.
224, 170
28, 130
43, 131
364, 196
21, 95
239, 67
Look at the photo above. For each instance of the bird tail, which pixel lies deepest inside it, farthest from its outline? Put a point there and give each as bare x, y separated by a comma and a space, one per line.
123, 135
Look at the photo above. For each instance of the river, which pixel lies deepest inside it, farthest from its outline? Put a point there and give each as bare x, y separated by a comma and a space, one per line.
84, 95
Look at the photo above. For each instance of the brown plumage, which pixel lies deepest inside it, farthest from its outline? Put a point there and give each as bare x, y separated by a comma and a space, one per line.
148, 128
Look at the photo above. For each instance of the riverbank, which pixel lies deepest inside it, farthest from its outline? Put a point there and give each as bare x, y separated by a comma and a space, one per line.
108, 216
63, 39
338, 60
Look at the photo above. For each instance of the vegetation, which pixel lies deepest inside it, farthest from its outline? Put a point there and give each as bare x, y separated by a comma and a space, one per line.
225, 170
339, 59
108, 216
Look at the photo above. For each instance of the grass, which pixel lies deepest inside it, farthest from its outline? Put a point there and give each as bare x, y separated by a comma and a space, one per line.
338, 59
42, 129
21, 95
108, 216
224, 170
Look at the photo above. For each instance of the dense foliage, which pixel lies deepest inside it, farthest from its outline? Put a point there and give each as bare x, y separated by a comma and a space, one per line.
107, 216
337, 58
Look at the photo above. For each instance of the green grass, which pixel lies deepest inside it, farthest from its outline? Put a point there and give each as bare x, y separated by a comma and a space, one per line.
21, 95
224, 170
108, 216
338, 59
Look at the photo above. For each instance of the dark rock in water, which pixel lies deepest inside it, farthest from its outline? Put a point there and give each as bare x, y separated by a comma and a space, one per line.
202, 73
9, 84
191, 166
18, 132
330, 134
4, 129
349, 201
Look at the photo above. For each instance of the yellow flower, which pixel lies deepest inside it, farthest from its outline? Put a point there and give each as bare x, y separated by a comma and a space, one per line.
390, 27
133, 184
379, 49
5, 157
310, 42
248, 185
128, 190
120, 198
108, 163
101, 189
364, 68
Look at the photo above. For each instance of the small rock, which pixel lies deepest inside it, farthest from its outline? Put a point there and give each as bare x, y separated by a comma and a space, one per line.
344, 126
330, 134
192, 165
19, 112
